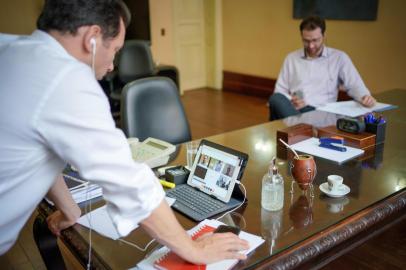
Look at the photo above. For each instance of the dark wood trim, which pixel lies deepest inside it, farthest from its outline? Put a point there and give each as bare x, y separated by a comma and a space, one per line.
344, 233
248, 84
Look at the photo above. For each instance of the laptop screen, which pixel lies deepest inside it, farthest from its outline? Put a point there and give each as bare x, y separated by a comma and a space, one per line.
215, 170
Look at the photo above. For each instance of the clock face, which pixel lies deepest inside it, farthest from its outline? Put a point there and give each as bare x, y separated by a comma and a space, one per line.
349, 125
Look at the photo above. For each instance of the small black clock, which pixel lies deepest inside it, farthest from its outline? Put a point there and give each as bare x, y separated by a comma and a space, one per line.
351, 125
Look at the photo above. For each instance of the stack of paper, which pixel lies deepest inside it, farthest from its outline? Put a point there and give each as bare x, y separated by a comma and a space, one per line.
81, 190
352, 108
311, 146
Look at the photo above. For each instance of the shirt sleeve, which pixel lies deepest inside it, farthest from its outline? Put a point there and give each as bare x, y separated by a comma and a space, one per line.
351, 79
282, 85
75, 122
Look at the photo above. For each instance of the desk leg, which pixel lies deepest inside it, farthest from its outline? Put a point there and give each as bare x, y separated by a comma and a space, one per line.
47, 245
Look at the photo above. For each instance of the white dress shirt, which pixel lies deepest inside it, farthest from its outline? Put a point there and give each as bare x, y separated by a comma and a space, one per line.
319, 78
53, 112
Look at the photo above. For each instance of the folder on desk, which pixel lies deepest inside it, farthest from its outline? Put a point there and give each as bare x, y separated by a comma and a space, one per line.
311, 147
352, 108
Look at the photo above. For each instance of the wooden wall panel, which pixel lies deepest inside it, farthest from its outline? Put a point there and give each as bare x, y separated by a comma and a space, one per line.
248, 84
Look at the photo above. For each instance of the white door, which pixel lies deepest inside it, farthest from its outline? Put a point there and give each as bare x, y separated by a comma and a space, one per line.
189, 40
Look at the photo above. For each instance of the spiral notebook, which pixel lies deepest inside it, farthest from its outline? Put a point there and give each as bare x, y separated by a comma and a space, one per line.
163, 258
172, 261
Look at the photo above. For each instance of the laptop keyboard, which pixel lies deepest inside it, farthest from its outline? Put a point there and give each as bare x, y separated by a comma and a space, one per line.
200, 203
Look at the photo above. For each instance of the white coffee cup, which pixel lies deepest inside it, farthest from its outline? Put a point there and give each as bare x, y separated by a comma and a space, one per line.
335, 183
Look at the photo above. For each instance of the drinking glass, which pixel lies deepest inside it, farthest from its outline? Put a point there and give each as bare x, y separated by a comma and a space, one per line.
191, 150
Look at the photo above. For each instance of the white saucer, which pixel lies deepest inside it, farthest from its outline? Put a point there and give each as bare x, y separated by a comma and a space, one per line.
344, 190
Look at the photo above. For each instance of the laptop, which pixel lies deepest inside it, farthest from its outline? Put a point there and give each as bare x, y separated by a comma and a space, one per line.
211, 186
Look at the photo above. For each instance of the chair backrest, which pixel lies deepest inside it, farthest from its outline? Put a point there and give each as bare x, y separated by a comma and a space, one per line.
135, 61
151, 107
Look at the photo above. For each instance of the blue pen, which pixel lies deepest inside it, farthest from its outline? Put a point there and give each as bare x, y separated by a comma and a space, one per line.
370, 118
366, 119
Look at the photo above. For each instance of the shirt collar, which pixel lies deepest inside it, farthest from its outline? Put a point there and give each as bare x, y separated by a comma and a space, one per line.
323, 53
46, 38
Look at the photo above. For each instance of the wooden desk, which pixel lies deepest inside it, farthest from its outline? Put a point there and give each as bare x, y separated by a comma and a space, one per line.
307, 231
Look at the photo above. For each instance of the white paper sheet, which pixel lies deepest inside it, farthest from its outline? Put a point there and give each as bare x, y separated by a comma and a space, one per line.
353, 109
101, 222
311, 146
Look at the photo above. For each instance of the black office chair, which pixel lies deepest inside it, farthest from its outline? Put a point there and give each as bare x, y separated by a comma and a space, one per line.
151, 107
133, 62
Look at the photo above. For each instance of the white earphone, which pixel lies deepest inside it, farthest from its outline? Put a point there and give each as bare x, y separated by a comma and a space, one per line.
93, 43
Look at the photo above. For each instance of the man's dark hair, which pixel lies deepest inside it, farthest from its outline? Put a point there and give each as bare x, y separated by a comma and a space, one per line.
68, 15
312, 23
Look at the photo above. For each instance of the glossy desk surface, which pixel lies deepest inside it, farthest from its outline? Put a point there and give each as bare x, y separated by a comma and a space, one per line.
306, 226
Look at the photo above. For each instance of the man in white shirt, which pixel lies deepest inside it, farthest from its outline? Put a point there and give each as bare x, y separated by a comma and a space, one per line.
310, 77
53, 112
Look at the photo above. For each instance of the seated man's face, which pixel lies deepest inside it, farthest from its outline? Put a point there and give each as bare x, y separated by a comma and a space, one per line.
313, 41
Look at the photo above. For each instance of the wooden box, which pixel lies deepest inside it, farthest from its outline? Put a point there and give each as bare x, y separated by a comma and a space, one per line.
361, 140
294, 134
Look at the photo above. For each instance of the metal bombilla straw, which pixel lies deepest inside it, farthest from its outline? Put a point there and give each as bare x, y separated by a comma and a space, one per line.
290, 148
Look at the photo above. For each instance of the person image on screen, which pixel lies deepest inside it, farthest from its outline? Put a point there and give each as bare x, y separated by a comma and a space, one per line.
54, 112
311, 76
218, 166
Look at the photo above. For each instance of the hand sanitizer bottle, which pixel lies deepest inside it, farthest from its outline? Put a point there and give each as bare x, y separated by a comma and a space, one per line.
272, 189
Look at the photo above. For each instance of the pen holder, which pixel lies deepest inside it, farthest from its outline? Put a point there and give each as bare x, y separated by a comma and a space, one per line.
378, 129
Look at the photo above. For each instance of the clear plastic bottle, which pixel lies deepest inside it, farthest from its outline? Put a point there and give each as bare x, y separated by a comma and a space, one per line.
272, 189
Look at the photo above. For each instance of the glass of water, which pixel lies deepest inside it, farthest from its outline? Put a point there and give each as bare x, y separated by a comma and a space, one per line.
191, 150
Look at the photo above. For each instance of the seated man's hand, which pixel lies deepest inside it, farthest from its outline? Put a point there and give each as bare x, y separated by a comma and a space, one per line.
368, 101
297, 102
57, 222
218, 246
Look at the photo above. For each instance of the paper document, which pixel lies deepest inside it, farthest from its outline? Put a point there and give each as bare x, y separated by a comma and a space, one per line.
158, 255
311, 147
101, 222
353, 109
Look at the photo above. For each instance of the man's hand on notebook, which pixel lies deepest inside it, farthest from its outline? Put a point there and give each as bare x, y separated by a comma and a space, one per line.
218, 246
368, 101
